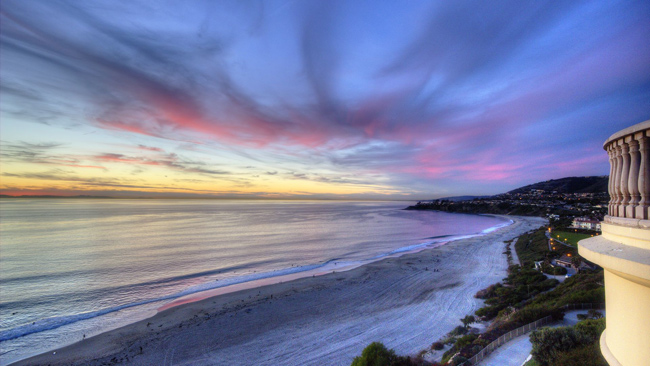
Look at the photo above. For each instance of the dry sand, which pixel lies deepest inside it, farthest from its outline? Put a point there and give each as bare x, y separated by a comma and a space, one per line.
407, 303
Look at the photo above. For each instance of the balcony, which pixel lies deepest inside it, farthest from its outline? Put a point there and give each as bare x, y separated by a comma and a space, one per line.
624, 249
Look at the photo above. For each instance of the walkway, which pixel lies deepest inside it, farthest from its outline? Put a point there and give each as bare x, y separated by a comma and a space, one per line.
515, 352
513, 252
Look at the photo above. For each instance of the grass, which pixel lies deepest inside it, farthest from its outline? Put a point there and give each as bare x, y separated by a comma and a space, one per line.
532, 247
572, 238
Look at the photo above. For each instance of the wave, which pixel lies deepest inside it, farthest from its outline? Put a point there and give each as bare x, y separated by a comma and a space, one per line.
42, 325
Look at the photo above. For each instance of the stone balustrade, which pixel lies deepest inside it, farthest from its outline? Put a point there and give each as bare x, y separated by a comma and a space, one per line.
629, 178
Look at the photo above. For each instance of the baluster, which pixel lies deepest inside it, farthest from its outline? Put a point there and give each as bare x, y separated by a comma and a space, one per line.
625, 172
617, 179
633, 180
644, 179
610, 182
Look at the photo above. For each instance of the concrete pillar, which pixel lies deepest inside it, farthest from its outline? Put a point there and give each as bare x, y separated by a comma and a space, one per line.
633, 182
625, 172
610, 187
617, 179
644, 179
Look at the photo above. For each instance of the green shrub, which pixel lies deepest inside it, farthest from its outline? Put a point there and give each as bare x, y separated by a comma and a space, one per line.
588, 355
437, 346
467, 320
553, 270
376, 354
532, 313
560, 346
549, 343
592, 328
459, 330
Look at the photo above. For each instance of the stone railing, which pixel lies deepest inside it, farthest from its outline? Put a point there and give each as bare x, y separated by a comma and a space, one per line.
629, 178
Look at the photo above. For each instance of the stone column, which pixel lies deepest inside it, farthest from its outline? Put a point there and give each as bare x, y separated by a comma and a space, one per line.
644, 179
633, 181
625, 172
617, 178
610, 186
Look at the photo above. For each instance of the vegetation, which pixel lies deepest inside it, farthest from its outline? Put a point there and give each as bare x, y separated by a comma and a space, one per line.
593, 184
485, 206
511, 306
569, 345
553, 270
533, 247
520, 285
467, 320
376, 354
532, 362
584, 287
524, 296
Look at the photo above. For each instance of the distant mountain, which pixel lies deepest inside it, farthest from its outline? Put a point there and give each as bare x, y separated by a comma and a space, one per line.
52, 196
462, 198
595, 184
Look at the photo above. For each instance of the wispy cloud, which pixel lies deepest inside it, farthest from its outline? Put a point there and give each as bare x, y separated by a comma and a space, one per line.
468, 92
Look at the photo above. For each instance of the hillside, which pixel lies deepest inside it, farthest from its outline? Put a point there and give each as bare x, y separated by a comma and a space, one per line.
593, 184
563, 197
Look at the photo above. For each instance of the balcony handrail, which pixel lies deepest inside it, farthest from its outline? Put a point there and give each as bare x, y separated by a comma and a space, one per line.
629, 178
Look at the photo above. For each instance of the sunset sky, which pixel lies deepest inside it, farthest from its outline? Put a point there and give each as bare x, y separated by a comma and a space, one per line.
314, 99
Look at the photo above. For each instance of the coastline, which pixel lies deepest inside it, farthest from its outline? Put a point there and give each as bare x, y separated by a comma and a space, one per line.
400, 301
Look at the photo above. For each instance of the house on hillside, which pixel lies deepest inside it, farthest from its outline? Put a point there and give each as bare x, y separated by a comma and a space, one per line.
565, 261
585, 223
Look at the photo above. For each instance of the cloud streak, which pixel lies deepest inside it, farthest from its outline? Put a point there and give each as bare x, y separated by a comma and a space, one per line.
471, 92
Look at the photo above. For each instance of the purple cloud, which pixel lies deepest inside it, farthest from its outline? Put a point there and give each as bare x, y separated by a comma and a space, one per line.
506, 92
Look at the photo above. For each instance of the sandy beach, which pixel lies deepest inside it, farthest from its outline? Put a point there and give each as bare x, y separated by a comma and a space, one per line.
406, 302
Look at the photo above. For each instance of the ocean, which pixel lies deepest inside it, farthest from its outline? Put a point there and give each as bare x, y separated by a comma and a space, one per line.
71, 268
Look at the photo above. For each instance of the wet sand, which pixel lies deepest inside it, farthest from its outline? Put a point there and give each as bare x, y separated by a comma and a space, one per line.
406, 302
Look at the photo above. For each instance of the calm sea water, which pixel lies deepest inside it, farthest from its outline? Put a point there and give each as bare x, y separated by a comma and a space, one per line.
84, 266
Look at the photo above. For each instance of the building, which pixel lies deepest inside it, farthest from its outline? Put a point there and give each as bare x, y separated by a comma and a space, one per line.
564, 261
623, 249
585, 223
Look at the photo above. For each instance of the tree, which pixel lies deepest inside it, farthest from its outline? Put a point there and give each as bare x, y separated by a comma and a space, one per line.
376, 354
469, 319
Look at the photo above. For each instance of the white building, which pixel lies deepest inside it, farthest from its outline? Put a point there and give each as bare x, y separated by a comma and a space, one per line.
585, 223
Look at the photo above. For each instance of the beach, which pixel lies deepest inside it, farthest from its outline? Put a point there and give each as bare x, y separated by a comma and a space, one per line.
406, 302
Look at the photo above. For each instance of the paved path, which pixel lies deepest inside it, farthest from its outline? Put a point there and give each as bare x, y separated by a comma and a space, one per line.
513, 252
515, 352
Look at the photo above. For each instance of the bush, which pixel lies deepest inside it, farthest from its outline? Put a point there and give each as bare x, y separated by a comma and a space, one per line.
553, 270
560, 346
588, 355
595, 314
532, 313
488, 292
437, 346
376, 354
592, 328
459, 330
549, 343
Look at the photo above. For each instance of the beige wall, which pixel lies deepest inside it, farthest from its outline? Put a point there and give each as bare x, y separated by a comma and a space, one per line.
628, 320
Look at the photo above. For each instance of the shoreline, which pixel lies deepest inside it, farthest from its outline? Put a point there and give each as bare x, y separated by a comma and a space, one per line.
328, 268
279, 316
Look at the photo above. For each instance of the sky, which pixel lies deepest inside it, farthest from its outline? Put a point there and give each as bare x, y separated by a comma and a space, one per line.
314, 99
